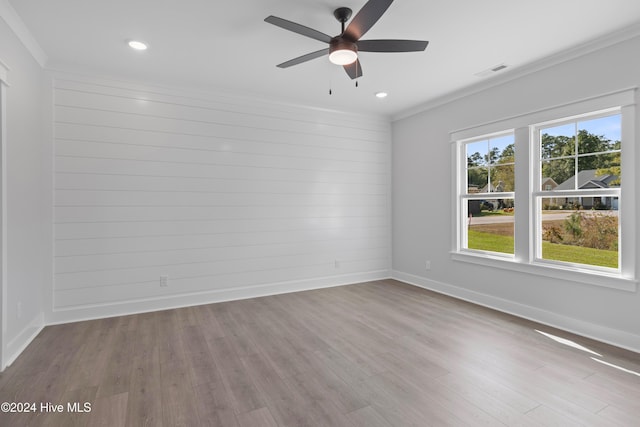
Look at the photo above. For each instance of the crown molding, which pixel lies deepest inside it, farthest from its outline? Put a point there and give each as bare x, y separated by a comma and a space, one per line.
566, 55
13, 20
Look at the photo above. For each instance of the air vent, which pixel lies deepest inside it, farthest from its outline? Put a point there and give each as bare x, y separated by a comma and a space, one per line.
491, 70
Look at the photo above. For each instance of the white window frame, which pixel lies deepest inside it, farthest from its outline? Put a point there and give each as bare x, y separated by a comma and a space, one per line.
527, 187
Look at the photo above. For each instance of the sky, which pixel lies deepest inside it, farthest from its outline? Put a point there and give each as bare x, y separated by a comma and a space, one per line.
486, 145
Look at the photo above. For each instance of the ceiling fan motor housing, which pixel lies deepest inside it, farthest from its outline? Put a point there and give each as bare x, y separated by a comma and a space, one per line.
339, 43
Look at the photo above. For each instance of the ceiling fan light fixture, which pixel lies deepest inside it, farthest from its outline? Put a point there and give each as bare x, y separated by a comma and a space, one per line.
342, 52
343, 56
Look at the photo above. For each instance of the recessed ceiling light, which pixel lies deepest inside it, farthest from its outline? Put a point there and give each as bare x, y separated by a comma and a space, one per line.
381, 95
137, 45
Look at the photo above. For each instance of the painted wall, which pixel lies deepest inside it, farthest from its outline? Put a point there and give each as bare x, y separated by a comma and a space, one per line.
422, 196
228, 197
28, 176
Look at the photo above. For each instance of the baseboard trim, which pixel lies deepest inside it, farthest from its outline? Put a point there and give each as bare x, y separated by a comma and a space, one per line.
17, 345
81, 313
604, 334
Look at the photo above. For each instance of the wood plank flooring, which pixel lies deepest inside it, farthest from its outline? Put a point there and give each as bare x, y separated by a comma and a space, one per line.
376, 354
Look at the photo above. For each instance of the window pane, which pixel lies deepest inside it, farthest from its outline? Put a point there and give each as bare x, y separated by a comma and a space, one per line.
557, 141
490, 225
599, 171
561, 172
599, 135
503, 178
548, 184
477, 179
477, 153
502, 149
581, 236
590, 143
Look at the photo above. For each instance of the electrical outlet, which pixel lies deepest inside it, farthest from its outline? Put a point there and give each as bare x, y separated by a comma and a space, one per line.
427, 265
164, 281
336, 264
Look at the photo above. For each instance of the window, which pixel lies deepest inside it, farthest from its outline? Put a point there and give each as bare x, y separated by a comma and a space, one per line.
578, 221
489, 197
564, 206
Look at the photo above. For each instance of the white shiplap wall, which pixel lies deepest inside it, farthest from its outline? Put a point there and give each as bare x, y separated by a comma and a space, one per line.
229, 197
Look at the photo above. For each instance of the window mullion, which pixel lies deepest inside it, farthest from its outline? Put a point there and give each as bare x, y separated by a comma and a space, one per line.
576, 163
523, 182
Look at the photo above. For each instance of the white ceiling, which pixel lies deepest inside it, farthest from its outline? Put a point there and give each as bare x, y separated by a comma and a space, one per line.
227, 46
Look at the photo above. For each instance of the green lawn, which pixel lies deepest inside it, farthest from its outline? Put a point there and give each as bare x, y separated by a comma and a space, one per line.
490, 242
552, 251
590, 256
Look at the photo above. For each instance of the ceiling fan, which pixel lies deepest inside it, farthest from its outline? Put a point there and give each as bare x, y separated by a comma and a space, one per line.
343, 49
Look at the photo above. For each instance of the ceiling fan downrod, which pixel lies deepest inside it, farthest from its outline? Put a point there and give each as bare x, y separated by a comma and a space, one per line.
342, 14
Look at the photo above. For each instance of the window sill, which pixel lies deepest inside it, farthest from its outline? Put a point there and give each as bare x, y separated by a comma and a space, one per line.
594, 278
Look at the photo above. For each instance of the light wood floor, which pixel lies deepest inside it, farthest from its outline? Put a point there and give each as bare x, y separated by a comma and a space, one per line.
375, 354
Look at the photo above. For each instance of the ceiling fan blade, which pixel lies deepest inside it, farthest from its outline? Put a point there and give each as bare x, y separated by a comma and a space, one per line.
392, 45
297, 28
354, 70
304, 58
366, 17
